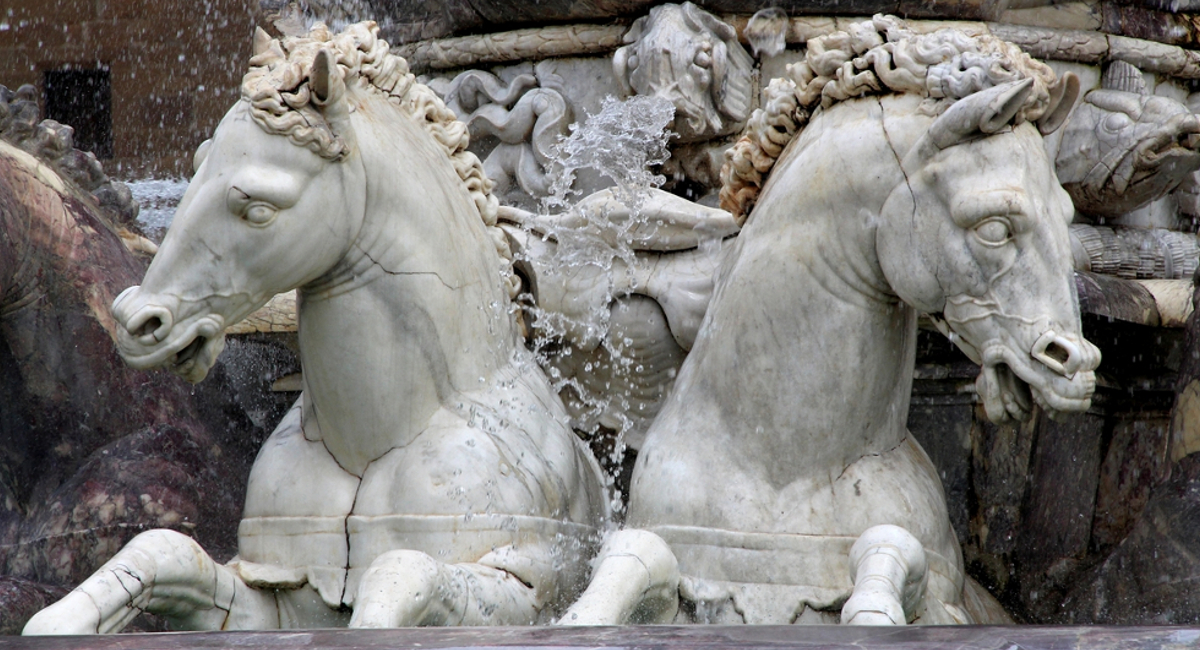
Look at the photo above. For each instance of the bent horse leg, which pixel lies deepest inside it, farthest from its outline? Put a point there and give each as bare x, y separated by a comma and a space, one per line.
888, 568
162, 572
405, 588
636, 580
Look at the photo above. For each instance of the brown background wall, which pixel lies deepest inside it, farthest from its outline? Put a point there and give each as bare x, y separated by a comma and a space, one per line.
175, 67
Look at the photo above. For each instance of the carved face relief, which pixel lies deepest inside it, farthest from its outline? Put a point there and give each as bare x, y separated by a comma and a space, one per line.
979, 234
690, 58
261, 216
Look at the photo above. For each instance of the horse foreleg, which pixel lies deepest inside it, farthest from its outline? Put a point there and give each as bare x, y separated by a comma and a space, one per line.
887, 566
636, 580
405, 588
162, 572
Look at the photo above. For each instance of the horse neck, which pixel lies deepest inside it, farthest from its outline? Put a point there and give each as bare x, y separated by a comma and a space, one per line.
415, 315
827, 349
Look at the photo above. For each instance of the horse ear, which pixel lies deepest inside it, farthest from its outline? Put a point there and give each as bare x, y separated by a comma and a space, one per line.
327, 85
201, 154
326, 81
1062, 99
984, 112
262, 41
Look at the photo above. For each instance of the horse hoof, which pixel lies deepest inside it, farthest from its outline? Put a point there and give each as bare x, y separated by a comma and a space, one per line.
889, 571
75, 614
872, 608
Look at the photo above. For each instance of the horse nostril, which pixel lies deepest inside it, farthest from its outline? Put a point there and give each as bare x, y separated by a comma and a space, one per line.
148, 327
1057, 352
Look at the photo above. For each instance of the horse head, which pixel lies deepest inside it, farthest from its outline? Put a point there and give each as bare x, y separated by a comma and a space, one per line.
261, 216
977, 235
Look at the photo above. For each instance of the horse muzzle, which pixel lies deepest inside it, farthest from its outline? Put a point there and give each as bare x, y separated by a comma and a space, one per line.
1057, 372
1023, 359
153, 332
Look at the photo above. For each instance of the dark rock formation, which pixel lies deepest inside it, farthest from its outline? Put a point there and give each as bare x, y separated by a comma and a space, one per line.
1153, 574
1088, 520
91, 451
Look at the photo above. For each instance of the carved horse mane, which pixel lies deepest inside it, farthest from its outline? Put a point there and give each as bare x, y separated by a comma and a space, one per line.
881, 56
283, 103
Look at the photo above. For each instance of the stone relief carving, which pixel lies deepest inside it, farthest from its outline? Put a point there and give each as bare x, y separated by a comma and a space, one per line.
516, 45
450, 493
690, 58
1124, 147
528, 116
1141, 253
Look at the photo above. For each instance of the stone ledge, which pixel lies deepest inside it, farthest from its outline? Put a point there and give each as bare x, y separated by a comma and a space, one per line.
1079, 46
698, 636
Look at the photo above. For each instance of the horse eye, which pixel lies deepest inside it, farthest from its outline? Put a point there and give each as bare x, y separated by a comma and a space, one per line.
632, 62
994, 231
702, 59
260, 214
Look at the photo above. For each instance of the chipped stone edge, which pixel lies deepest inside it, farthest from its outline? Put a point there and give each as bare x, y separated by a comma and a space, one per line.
1077, 46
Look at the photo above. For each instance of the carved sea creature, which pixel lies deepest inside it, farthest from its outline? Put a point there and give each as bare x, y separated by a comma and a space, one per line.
1123, 147
799, 382
427, 474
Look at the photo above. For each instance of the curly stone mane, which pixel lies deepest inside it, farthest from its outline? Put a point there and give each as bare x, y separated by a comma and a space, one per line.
874, 57
277, 87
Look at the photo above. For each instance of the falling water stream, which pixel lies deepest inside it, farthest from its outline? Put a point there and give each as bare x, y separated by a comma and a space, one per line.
622, 142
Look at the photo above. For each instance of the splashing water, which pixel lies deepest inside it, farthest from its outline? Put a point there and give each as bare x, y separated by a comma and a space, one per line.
621, 142
594, 247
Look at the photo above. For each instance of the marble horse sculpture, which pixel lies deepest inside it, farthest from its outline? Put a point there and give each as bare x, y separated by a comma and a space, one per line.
778, 482
426, 475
